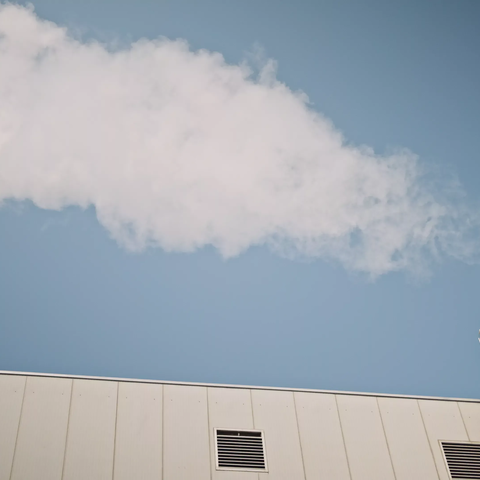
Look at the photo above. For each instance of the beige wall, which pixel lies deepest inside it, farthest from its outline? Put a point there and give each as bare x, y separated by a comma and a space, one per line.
67, 428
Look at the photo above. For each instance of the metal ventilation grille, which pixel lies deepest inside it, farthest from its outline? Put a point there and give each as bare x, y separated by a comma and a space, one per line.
240, 450
463, 460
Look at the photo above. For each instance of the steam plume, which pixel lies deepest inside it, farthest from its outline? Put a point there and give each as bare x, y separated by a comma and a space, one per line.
179, 149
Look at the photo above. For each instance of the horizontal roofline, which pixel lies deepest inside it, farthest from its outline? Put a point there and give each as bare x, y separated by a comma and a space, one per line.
249, 387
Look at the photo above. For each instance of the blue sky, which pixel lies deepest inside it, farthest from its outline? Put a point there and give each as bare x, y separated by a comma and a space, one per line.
236, 307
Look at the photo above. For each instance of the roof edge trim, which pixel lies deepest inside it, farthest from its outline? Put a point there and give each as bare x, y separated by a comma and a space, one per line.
249, 387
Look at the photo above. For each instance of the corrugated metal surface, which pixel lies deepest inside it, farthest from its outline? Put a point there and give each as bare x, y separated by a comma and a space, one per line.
11, 396
43, 429
443, 422
407, 439
274, 412
138, 442
91, 431
104, 430
365, 441
186, 452
321, 437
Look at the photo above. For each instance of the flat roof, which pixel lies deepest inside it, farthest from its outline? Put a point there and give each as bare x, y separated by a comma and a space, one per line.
250, 387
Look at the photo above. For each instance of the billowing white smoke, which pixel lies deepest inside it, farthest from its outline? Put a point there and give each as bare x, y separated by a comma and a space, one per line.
180, 150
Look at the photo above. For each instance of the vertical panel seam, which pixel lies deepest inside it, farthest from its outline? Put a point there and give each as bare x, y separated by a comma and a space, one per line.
463, 421
299, 436
428, 438
251, 404
343, 438
209, 435
68, 428
253, 423
386, 438
115, 432
18, 427
163, 431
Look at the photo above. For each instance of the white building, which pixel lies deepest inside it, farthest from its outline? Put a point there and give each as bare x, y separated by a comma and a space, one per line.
55, 427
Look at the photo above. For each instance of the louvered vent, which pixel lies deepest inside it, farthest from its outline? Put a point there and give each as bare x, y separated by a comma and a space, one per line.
240, 450
463, 460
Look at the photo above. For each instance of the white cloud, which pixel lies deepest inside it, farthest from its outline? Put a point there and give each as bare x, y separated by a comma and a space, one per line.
178, 149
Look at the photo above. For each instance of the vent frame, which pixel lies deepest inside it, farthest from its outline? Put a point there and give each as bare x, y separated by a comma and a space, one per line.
264, 469
455, 475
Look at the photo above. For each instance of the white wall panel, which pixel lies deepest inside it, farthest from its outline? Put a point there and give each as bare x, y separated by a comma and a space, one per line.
471, 417
407, 440
91, 431
11, 395
43, 429
229, 408
186, 452
365, 441
274, 412
443, 422
321, 437
103, 430
138, 443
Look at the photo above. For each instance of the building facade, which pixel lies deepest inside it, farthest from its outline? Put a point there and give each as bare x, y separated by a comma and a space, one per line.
79, 428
